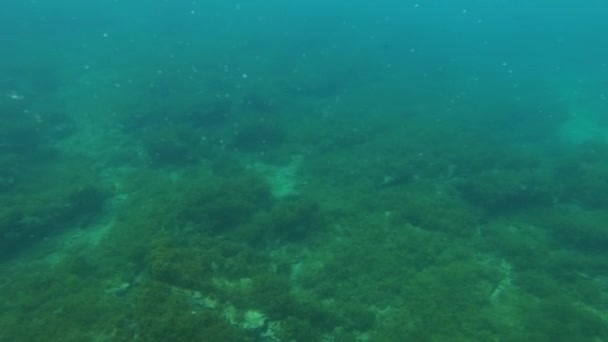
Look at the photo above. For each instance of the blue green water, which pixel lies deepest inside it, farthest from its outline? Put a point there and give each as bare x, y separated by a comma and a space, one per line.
303, 171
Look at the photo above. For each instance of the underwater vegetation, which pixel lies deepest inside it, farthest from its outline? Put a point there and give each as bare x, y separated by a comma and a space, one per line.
258, 136
376, 241
499, 191
29, 135
170, 146
40, 197
25, 220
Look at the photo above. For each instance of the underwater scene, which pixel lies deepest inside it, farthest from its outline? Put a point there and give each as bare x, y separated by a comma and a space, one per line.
301, 171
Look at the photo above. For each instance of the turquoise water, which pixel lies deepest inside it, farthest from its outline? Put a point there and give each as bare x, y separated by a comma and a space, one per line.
303, 171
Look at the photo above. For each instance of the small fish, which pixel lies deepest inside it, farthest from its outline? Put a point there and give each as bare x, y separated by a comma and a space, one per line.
14, 96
